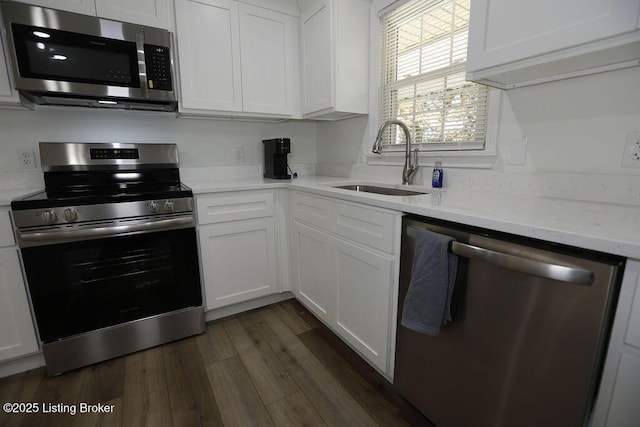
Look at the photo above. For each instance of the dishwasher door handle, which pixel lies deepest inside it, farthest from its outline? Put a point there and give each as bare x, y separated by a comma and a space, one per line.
547, 270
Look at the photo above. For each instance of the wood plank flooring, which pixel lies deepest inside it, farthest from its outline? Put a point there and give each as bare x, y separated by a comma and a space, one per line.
274, 366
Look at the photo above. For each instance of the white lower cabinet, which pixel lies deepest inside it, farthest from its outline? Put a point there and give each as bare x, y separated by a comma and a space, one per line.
311, 264
364, 296
617, 400
17, 334
241, 252
238, 261
350, 285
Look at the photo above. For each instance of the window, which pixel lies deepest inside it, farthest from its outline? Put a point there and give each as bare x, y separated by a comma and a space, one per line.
424, 50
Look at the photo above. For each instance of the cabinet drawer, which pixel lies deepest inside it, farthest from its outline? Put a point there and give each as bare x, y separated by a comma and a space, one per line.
223, 207
6, 230
365, 225
313, 210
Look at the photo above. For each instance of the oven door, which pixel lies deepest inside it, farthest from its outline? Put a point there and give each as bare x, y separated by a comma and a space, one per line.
80, 286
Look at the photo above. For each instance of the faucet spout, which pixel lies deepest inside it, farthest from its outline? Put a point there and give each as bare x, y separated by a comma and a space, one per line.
410, 167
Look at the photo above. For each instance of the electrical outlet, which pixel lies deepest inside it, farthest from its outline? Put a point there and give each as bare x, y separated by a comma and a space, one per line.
238, 154
631, 157
26, 158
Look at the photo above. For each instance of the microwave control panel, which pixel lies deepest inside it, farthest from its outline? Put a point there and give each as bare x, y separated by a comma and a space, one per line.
158, 63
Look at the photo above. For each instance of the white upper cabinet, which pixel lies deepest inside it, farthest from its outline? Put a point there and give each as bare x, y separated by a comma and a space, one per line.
335, 58
208, 37
86, 7
7, 94
153, 13
521, 43
266, 53
236, 60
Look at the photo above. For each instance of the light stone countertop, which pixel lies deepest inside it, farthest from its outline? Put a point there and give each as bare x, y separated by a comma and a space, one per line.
608, 228
6, 195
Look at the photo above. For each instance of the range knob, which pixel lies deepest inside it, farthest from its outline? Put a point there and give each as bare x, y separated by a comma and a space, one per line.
70, 215
49, 216
154, 208
169, 206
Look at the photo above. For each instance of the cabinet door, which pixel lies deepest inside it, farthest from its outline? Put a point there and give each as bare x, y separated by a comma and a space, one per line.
17, 334
153, 13
209, 54
503, 31
6, 92
364, 283
238, 261
317, 58
624, 401
85, 7
312, 271
6, 229
266, 46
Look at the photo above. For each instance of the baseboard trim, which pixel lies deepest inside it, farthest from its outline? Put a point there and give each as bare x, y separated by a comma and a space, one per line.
241, 307
22, 364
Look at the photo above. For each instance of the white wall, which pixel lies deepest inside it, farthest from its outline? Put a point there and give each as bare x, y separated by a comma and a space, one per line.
575, 129
204, 145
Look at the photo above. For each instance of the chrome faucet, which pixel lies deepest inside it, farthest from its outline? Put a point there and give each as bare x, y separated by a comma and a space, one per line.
410, 168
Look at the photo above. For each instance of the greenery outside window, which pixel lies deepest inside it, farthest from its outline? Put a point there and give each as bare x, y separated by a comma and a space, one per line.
424, 50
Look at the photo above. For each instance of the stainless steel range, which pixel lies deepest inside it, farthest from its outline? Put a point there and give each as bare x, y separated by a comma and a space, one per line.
109, 250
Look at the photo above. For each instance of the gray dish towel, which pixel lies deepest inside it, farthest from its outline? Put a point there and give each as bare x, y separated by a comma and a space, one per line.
427, 305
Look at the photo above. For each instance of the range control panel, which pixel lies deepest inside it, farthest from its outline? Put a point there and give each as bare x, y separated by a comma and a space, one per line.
114, 153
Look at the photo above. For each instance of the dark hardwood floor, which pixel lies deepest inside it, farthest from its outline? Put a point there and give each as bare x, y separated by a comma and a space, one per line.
272, 366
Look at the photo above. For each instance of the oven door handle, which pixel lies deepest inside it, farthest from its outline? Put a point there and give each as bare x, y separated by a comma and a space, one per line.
89, 233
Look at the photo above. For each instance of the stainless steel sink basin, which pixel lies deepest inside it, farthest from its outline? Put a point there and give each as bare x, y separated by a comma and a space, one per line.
380, 190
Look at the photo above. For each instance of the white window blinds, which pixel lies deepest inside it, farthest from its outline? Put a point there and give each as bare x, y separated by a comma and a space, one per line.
424, 50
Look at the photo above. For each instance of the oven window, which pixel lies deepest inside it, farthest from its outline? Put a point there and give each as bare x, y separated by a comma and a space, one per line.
61, 55
81, 286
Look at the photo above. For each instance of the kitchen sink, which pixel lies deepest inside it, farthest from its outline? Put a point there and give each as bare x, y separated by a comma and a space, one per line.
387, 191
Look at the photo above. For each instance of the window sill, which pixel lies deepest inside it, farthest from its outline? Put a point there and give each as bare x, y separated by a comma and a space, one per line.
450, 159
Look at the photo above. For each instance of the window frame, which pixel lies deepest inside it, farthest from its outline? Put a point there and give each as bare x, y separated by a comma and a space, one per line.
395, 155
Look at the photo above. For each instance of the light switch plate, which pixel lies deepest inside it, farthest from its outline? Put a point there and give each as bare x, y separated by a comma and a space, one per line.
517, 151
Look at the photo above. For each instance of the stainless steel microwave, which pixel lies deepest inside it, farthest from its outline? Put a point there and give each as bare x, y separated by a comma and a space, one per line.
63, 58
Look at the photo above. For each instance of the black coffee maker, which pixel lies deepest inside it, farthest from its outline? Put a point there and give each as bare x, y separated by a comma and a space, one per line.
275, 157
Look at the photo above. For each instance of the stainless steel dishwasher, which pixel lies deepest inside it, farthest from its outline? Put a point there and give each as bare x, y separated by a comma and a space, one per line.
530, 326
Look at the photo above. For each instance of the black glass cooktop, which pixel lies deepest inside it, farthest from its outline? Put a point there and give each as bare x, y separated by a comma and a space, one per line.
84, 188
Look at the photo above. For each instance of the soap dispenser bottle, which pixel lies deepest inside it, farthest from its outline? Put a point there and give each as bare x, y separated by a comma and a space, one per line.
438, 174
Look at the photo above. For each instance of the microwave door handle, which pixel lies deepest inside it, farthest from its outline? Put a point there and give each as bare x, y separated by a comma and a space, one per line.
142, 67
546, 270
